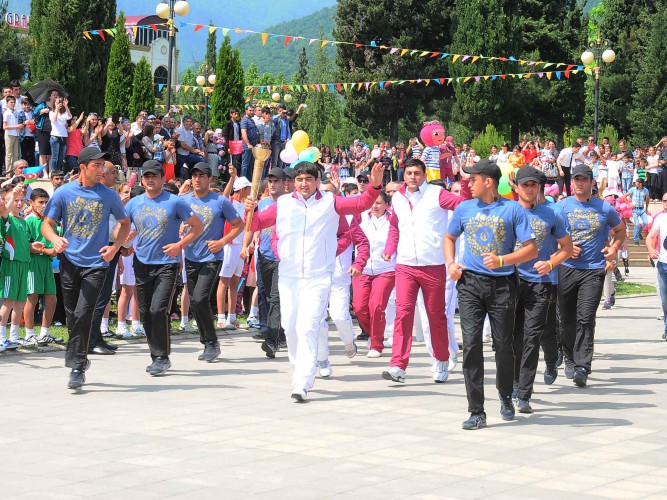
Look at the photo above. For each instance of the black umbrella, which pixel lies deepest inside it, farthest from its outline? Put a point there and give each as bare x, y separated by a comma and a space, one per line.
40, 92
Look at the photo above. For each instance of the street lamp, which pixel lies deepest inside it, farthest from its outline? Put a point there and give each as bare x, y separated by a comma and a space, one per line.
598, 51
201, 81
168, 10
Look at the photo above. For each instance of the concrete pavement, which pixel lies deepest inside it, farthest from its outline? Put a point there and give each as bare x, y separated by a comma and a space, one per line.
230, 430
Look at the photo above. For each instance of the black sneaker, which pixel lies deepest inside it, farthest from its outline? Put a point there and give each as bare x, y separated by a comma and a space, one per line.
569, 367
523, 405
259, 336
550, 374
270, 348
159, 366
580, 376
363, 336
76, 380
559, 360
476, 421
506, 408
211, 352
515, 389
282, 344
664, 336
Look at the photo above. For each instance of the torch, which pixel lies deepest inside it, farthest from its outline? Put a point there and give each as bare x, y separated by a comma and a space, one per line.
260, 153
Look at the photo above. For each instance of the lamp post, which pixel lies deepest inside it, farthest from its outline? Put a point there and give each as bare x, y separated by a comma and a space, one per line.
168, 10
201, 81
599, 50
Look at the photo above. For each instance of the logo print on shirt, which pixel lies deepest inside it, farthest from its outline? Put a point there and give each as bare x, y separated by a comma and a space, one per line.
584, 224
205, 213
84, 217
539, 230
151, 222
486, 234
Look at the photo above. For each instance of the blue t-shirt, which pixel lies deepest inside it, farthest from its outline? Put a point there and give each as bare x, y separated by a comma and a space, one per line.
84, 213
265, 239
494, 228
157, 222
546, 221
251, 130
213, 210
588, 223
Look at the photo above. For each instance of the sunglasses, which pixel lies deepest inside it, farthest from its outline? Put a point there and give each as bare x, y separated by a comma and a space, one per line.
362, 181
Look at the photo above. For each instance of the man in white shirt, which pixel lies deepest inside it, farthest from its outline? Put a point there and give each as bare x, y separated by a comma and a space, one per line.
187, 152
12, 128
567, 159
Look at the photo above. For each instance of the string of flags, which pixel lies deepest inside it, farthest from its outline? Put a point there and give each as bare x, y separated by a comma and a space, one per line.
185, 106
287, 39
184, 88
341, 87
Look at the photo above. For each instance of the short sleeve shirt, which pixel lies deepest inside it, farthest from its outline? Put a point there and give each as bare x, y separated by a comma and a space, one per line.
588, 223
213, 210
249, 126
490, 228
157, 221
16, 239
265, 234
84, 213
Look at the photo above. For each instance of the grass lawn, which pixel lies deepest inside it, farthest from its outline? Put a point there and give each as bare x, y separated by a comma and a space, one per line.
627, 288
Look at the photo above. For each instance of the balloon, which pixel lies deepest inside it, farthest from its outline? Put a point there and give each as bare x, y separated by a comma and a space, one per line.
624, 206
293, 165
505, 168
288, 97
300, 141
509, 196
307, 155
376, 153
504, 187
288, 155
316, 153
275, 96
550, 198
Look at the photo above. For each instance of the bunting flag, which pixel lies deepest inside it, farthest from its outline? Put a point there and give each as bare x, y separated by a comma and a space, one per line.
185, 88
398, 51
345, 86
185, 106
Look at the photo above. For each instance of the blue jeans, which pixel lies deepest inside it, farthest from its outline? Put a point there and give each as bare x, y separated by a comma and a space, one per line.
247, 162
190, 159
626, 183
662, 289
636, 216
58, 151
399, 173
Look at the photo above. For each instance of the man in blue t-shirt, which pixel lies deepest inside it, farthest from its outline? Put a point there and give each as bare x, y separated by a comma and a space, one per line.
581, 277
157, 216
83, 208
250, 137
537, 285
487, 282
203, 258
267, 265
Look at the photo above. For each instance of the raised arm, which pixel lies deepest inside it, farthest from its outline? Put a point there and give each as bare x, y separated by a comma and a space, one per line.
449, 201
357, 204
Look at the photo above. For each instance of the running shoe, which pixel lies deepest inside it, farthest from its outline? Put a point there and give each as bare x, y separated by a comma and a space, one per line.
324, 369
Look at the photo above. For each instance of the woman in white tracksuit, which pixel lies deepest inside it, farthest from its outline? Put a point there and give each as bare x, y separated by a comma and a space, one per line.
305, 228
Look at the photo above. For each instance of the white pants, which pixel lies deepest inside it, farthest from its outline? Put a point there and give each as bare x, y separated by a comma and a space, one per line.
339, 307
303, 303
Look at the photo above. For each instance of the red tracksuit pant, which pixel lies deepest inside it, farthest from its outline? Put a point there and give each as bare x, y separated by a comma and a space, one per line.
371, 295
431, 280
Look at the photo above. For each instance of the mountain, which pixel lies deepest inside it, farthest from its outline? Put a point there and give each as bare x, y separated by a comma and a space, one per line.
274, 56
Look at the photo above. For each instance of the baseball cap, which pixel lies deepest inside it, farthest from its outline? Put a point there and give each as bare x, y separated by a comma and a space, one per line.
202, 167
527, 174
582, 170
362, 177
486, 167
610, 192
240, 183
91, 153
290, 173
278, 173
151, 117
152, 167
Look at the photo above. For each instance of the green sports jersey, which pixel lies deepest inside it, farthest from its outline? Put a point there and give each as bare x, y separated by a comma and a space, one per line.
16, 238
35, 231
641, 173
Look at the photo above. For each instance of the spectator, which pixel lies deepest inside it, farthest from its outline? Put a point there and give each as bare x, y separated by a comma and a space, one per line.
58, 117
27, 118
12, 131
187, 153
74, 144
250, 137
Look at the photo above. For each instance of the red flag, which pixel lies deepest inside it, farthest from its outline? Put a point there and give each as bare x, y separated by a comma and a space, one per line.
288, 39
154, 27
198, 27
101, 33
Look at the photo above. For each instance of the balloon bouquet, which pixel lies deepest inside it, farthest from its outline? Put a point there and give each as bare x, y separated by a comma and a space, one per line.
297, 150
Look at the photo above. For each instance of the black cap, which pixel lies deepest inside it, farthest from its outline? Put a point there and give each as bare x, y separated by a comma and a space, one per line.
152, 167
582, 170
526, 174
486, 167
290, 173
363, 177
91, 153
202, 167
278, 173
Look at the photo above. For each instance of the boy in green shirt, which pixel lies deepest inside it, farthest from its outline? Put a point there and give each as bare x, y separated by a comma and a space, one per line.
40, 273
641, 170
15, 264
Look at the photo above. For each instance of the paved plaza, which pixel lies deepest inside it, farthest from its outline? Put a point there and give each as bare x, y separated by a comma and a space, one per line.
230, 430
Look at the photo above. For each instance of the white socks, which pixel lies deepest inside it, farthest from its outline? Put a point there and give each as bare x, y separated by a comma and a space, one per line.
14, 333
44, 332
30, 332
3, 333
232, 318
105, 325
184, 320
254, 311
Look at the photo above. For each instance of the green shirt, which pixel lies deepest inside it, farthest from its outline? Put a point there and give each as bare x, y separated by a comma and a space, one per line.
641, 173
16, 238
34, 224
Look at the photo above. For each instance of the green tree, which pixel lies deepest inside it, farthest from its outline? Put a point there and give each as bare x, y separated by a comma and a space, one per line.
648, 115
400, 23
14, 50
38, 12
252, 75
143, 97
119, 78
211, 44
62, 53
301, 76
229, 85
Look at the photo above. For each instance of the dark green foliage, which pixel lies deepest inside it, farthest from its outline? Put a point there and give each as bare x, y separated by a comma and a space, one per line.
14, 50
229, 86
211, 49
142, 89
119, 77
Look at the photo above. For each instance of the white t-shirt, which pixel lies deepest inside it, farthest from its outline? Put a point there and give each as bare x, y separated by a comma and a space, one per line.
11, 118
613, 173
652, 164
661, 221
59, 123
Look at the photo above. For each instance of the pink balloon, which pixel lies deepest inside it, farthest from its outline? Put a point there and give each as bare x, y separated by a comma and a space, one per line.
624, 206
289, 155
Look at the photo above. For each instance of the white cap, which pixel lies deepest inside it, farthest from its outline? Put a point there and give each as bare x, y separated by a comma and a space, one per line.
610, 192
349, 180
218, 131
240, 183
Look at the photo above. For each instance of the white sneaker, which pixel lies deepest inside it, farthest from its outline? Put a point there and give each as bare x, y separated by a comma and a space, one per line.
388, 343
351, 350
453, 362
138, 331
220, 324
324, 369
299, 395
440, 372
487, 338
31, 340
252, 322
187, 328
2, 346
374, 353
394, 373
